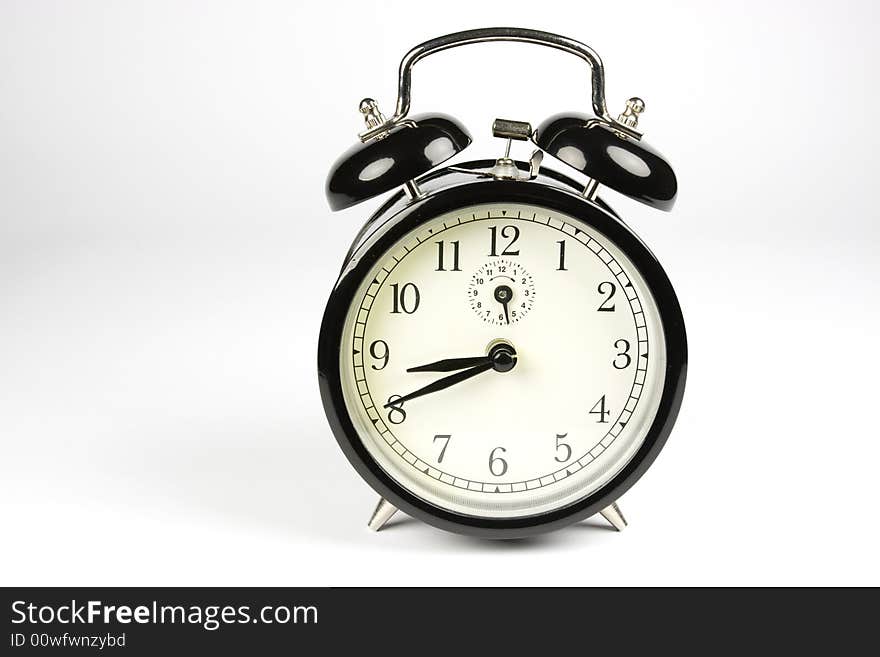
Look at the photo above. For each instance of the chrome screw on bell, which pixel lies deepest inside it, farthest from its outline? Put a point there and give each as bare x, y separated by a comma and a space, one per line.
373, 117
630, 116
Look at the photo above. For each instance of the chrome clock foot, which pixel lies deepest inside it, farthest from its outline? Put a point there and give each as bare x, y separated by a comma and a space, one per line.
613, 515
382, 514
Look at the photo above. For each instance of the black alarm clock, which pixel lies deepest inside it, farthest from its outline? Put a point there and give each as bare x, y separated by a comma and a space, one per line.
501, 355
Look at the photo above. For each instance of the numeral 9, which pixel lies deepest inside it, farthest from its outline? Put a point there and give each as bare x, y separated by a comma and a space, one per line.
379, 351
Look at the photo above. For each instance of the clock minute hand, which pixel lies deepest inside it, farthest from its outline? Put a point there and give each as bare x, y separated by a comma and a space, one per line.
445, 382
451, 364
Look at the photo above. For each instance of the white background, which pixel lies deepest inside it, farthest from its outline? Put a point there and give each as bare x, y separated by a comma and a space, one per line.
166, 252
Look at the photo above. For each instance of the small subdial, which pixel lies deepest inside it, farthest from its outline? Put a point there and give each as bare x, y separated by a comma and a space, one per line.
501, 292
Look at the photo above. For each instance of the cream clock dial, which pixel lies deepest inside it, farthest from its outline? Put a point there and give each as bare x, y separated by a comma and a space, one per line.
502, 360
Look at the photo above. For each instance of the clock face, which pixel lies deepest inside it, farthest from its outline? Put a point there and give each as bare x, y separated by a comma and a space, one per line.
539, 360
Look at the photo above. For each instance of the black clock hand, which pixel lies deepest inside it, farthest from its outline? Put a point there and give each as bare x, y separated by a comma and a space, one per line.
451, 364
503, 295
445, 382
501, 358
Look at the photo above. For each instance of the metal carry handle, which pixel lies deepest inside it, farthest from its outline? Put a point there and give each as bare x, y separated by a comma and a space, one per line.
484, 35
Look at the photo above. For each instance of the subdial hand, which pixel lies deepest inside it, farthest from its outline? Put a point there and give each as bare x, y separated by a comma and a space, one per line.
503, 295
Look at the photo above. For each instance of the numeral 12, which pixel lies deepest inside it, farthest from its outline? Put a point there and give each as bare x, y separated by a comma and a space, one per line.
508, 232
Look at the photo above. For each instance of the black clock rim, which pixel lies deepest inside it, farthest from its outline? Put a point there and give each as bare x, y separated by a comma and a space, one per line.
502, 191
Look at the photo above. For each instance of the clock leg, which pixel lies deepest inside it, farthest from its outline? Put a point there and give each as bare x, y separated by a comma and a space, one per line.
613, 515
382, 514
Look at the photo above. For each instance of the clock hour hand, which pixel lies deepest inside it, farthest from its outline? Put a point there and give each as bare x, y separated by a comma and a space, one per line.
445, 382
451, 364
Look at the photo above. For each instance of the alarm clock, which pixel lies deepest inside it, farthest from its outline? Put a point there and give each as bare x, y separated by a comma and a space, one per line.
501, 355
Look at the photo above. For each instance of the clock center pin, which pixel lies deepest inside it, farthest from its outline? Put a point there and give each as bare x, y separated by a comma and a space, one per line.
503, 356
